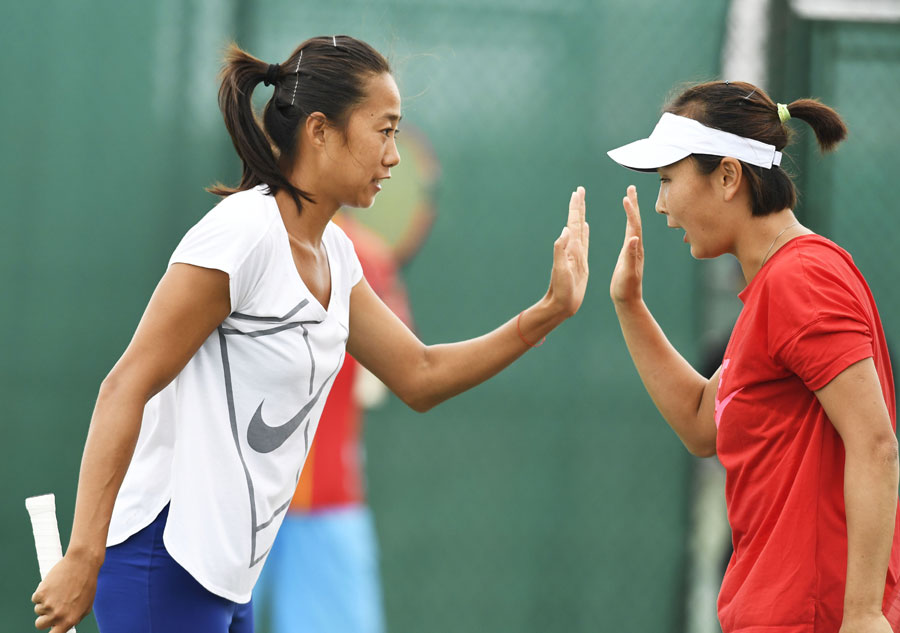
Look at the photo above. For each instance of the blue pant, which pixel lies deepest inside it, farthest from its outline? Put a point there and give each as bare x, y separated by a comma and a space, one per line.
322, 575
141, 589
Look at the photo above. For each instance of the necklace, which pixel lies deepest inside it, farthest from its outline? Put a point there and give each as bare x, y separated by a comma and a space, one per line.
775, 240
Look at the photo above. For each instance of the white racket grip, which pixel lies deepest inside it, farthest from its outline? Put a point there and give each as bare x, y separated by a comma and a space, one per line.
42, 511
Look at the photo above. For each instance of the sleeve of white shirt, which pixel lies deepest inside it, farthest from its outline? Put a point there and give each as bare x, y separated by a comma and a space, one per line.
229, 238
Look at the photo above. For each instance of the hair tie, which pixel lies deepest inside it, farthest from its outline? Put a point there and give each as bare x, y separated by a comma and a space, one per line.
272, 74
783, 113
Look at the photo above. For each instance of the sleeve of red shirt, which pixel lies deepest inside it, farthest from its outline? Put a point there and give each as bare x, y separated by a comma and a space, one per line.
817, 325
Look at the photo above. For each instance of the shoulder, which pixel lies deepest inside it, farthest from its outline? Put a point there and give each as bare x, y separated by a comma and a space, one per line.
249, 212
811, 283
811, 261
229, 232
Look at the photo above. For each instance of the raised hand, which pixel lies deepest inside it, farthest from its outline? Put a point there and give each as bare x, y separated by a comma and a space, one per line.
627, 278
568, 280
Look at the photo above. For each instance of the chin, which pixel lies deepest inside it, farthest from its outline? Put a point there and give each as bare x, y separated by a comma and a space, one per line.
364, 201
698, 253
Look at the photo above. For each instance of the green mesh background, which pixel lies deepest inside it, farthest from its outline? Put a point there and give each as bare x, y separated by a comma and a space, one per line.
552, 497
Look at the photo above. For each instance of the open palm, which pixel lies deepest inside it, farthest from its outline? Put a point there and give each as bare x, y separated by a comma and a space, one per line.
568, 279
627, 278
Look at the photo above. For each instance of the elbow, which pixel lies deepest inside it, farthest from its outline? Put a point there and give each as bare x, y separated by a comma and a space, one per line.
415, 395
419, 390
110, 385
421, 406
700, 444
879, 450
420, 403
122, 384
885, 449
701, 449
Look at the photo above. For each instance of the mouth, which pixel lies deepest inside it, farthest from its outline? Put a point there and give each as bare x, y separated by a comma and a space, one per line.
676, 226
377, 181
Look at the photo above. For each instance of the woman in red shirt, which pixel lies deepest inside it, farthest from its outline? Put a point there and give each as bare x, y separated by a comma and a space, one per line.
802, 410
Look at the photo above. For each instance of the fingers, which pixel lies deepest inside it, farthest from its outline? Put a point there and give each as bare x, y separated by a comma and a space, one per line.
559, 246
48, 620
586, 237
576, 206
634, 244
632, 212
576, 211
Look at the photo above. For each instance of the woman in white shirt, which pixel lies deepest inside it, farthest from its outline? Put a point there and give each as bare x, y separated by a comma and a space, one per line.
201, 429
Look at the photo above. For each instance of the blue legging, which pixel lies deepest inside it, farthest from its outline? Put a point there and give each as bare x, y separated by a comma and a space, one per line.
141, 589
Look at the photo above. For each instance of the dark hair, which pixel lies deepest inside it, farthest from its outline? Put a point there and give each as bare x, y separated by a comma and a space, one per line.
743, 109
324, 74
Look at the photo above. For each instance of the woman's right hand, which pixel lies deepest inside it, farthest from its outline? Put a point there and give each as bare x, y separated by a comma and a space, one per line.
627, 279
66, 595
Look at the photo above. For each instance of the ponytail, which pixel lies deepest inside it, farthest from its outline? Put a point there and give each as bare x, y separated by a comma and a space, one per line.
825, 122
240, 75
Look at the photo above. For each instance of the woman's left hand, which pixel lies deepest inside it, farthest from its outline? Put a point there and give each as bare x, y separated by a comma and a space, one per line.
568, 280
875, 623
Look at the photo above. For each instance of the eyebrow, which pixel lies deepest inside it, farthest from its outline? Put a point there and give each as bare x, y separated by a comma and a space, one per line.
393, 118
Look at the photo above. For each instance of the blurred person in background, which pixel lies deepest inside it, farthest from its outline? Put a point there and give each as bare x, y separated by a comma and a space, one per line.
201, 429
802, 411
322, 573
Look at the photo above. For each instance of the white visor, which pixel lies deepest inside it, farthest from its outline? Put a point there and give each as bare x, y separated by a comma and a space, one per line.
676, 137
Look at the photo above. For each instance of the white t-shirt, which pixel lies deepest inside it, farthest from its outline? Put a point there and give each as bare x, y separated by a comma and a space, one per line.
225, 442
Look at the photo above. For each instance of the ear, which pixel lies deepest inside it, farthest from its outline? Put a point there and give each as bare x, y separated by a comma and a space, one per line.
314, 129
729, 175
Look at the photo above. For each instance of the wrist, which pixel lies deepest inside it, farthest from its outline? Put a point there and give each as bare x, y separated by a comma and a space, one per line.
89, 556
626, 307
859, 609
548, 311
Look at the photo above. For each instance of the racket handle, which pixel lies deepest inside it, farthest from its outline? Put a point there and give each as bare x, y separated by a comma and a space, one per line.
42, 511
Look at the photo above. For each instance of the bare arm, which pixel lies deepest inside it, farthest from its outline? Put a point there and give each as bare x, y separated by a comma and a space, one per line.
684, 398
425, 375
186, 307
855, 405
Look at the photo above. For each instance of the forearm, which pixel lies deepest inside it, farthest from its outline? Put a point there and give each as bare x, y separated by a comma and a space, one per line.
870, 501
449, 369
675, 387
112, 436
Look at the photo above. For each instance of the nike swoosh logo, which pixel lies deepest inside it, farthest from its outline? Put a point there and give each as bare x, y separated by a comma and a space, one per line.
720, 405
263, 438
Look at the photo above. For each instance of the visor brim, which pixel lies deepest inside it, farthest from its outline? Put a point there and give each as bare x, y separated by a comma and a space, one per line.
647, 155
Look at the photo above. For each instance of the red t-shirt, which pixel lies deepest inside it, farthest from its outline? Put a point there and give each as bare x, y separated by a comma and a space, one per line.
807, 316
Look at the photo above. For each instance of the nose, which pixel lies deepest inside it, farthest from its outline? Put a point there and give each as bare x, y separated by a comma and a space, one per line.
391, 155
661, 201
